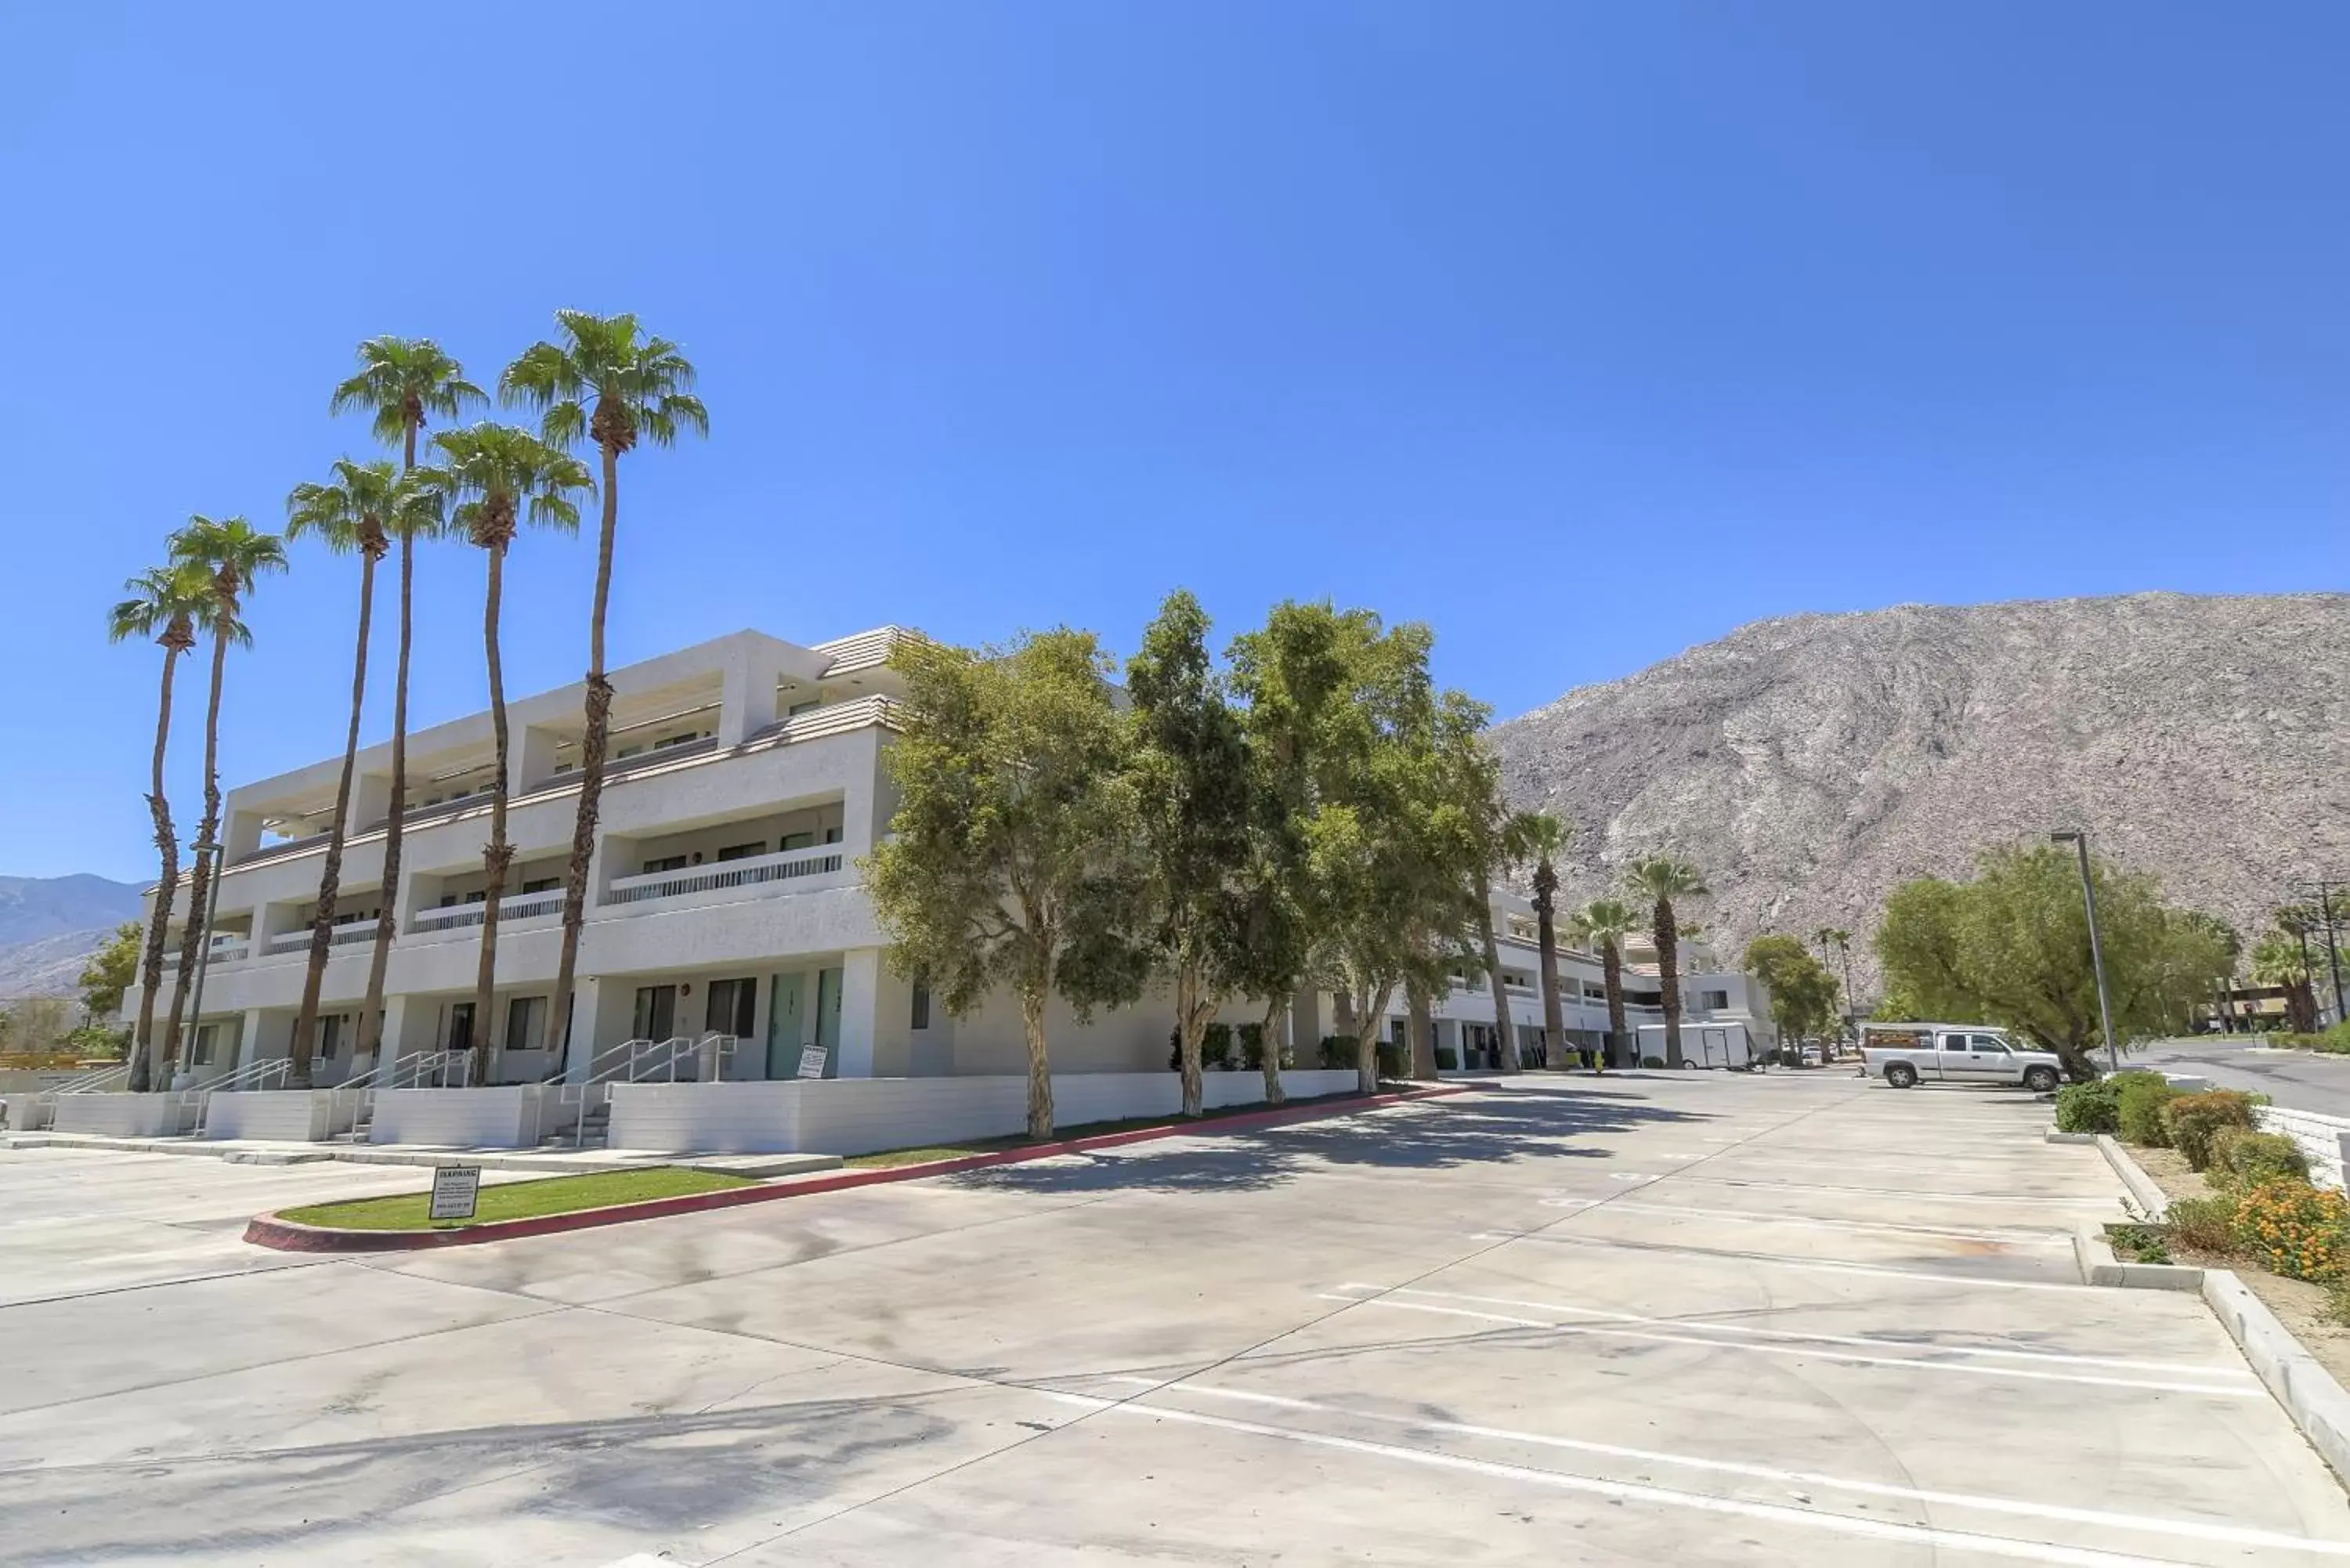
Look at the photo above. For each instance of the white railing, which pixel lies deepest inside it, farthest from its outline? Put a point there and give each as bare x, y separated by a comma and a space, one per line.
789, 864
644, 1062
222, 951
253, 1075
345, 933
514, 906
101, 1080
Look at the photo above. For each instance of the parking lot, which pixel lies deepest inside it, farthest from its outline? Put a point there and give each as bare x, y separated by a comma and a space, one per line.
1652, 1319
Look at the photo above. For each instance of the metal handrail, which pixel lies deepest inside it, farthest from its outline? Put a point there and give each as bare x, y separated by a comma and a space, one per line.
95, 1081
253, 1076
637, 1062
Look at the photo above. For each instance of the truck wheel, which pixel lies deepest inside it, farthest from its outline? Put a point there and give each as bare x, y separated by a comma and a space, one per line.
1901, 1075
2040, 1080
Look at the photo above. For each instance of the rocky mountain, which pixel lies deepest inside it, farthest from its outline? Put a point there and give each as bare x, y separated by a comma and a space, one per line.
48, 925
1809, 764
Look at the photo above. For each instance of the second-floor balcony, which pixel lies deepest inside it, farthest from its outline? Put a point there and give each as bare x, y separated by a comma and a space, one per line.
789, 870
513, 909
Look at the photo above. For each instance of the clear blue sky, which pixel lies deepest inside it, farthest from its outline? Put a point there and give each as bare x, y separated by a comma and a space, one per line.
1582, 332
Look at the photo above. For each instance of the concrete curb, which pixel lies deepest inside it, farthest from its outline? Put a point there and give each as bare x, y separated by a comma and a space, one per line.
2317, 1403
2152, 1202
2053, 1136
288, 1236
2101, 1266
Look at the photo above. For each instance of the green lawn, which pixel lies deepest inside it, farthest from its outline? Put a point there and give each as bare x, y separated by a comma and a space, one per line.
1062, 1135
518, 1199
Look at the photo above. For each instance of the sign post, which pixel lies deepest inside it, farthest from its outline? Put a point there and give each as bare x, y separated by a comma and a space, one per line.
455, 1188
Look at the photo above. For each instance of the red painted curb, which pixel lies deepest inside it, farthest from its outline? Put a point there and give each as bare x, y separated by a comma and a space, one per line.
287, 1236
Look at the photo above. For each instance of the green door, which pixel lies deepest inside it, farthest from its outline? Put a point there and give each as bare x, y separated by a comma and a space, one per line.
828, 1019
785, 1031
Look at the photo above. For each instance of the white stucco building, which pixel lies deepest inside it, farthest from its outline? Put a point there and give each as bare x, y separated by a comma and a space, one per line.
746, 779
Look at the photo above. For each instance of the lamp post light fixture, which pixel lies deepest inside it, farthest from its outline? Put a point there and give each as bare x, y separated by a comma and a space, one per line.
2079, 840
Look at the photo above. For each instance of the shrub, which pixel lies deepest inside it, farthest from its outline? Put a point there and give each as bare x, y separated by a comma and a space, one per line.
2192, 1121
2243, 1159
1251, 1040
2203, 1224
2295, 1230
2091, 1108
1216, 1047
1445, 1062
2137, 1111
1652, 1062
1338, 1052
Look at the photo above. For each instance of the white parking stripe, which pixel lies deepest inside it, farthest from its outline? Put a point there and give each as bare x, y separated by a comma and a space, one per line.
2188, 1528
2012, 1238
2177, 1368
2021, 1200
1775, 1261
1631, 1492
2214, 1391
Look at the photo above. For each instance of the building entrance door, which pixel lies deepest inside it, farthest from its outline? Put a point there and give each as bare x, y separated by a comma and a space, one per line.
656, 1017
785, 1029
732, 1005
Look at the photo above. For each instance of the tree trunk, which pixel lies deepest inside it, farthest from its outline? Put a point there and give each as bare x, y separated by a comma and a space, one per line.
496, 855
1040, 1065
145, 1062
1271, 1038
1505, 1028
1191, 1024
1370, 1011
1669, 970
193, 937
330, 875
1554, 1014
388, 923
1611, 974
1422, 1034
593, 742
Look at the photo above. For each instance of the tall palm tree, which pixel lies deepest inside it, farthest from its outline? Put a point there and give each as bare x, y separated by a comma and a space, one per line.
500, 477
1600, 926
401, 382
1543, 838
1661, 879
1836, 940
358, 510
167, 603
615, 387
233, 555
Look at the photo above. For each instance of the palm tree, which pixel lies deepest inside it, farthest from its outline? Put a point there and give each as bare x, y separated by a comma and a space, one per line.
605, 381
232, 554
1542, 839
400, 382
167, 603
1839, 940
1600, 926
358, 510
501, 477
1661, 879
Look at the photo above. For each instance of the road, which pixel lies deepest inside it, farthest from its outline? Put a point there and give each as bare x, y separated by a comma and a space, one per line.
2301, 1080
1693, 1319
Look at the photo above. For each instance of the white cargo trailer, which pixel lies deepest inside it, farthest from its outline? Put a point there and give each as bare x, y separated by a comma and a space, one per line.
1706, 1045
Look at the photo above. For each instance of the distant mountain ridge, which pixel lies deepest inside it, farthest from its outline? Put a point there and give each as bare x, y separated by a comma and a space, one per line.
49, 925
1810, 763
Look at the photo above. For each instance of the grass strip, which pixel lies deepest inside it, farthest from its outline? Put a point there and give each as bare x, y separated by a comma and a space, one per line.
518, 1199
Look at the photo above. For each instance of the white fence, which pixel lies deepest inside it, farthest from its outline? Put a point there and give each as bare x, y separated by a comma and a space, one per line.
2319, 1138
858, 1115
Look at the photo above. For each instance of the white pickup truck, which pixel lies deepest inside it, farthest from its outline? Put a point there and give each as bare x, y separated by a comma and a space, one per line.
1907, 1054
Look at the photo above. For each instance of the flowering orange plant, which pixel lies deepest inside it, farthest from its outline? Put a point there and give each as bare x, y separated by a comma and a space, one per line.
2296, 1229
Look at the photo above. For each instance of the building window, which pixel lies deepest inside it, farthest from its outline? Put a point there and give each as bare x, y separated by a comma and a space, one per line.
542, 884
743, 851
921, 1004
330, 1035
526, 1022
1713, 1001
799, 841
832, 836
796, 708
207, 1036
664, 863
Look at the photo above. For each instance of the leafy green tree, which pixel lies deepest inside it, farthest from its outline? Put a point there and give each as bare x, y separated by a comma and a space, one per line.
357, 512
1011, 857
1660, 880
1465, 836
2282, 959
235, 556
168, 605
109, 972
1542, 839
1803, 992
1600, 926
400, 383
497, 477
607, 382
2011, 948
1192, 789
1276, 954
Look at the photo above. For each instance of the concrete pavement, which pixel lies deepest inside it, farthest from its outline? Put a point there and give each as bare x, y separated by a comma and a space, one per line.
1688, 1319
2299, 1080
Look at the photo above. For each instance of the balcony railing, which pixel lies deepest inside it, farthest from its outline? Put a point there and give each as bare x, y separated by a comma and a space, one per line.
513, 908
789, 864
346, 932
223, 952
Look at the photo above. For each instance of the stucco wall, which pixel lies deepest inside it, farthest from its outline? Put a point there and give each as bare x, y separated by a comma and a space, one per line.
2320, 1138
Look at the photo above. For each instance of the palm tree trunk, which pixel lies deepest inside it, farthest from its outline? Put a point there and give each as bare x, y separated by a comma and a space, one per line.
496, 855
1668, 972
330, 875
167, 887
1611, 975
1554, 1016
1271, 1038
1422, 1033
592, 746
388, 922
1040, 1066
193, 935
1505, 1028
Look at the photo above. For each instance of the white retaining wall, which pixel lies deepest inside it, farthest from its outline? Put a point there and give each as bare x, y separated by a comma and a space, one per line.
291, 1115
857, 1115
162, 1114
513, 1116
2319, 1138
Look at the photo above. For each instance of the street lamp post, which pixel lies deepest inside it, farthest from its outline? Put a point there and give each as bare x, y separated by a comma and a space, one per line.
2080, 841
